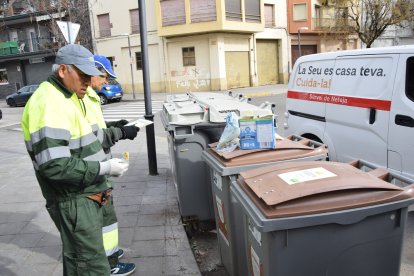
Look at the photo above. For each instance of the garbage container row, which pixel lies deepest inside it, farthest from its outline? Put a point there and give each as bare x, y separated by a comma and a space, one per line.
283, 211
193, 121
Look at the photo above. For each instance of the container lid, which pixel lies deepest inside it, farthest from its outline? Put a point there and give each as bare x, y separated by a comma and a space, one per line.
186, 112
301, 188
207, 107
219, 105
286, 149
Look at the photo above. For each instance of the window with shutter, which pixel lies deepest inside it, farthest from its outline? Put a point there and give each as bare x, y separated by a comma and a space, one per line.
104, 25
269, 15
299, 12
134, 15
172, 12
203, 10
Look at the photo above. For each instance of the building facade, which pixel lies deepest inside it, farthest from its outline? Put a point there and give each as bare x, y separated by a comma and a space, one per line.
196, 45
29, 39
318, 26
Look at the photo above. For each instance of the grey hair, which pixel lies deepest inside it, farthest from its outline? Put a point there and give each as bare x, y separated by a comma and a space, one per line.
55, 68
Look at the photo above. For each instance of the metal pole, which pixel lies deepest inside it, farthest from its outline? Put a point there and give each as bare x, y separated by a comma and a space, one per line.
152, 154
300, 50
132, 73
69, 38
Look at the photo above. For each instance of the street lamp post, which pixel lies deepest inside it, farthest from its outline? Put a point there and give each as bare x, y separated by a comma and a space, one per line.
132, 70
300, 29
130, 63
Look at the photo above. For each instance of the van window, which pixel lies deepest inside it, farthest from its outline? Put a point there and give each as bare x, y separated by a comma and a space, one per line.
409, 79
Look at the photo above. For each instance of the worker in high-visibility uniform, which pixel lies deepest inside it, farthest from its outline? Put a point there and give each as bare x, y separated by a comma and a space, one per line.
108, 134
70, 164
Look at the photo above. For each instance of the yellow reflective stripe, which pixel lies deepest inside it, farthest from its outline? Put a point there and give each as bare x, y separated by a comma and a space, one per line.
99, 156
82, 141
51, 153
49, 132
110, 238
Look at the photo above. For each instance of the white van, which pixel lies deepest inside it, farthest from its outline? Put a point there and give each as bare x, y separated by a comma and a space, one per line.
360, 103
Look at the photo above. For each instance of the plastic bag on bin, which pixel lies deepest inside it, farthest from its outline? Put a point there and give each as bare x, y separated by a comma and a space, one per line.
229, 139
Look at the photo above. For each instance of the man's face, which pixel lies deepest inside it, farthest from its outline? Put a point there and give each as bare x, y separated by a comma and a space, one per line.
74, 79
98, 81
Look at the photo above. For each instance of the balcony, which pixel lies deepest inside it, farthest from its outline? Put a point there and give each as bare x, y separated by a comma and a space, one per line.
189, 17
339, 25
27, 46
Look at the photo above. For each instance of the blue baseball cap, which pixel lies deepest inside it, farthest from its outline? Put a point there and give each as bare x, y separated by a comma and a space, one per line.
103, 62
79, 56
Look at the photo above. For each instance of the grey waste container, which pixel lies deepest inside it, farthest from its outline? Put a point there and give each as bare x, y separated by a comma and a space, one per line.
322, 218
193, 121
226, 166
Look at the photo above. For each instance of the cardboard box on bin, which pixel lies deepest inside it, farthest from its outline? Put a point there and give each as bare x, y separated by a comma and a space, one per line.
257, 133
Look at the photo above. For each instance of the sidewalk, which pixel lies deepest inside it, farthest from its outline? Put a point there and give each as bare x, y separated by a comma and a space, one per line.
149, 222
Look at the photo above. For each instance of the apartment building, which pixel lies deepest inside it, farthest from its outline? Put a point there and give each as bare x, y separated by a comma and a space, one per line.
29, 39
319, 26
196, 45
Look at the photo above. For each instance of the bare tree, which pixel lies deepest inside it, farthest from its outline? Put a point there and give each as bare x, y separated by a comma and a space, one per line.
370, 18
75, 11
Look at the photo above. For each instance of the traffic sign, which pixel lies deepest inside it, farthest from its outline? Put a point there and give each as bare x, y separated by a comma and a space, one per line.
64, 26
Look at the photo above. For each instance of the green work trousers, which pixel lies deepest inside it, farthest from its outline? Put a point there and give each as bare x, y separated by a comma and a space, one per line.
79, 221
110, 232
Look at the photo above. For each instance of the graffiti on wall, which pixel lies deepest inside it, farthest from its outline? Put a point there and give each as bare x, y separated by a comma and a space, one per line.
191, 78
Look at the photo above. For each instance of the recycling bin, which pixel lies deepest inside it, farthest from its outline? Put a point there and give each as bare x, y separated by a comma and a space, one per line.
224, 167
193, 121
322, 218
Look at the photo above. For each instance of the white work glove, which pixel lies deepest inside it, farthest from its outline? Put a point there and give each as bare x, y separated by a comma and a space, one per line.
114, 167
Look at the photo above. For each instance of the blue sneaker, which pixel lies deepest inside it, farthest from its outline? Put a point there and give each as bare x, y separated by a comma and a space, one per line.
123, 269
120, 253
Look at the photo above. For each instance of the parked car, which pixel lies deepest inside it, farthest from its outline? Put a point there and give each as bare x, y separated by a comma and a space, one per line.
21, 97
110, 92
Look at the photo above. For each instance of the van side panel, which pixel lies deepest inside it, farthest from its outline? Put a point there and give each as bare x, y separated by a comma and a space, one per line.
358, 107
305, 105
401, 134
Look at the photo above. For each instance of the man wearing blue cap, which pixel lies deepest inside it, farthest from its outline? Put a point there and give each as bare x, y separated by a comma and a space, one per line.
69, 160
110, 222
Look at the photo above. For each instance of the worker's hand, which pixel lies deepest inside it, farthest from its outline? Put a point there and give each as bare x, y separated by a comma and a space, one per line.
114, 167
129, 132
116, 123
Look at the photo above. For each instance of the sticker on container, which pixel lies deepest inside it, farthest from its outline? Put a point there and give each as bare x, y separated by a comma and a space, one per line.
224, 237
217, 180
255, 233
220, 209
222, 227
306, 175
255, 262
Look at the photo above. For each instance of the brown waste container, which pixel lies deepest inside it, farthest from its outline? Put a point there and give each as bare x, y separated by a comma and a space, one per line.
322, 218
226, 166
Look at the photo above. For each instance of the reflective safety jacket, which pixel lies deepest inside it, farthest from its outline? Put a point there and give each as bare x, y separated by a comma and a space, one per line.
107, 136
61, 143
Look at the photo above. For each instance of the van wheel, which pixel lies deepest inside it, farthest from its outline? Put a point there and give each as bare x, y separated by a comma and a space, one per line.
103, 99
